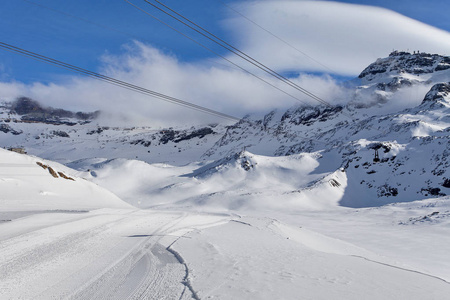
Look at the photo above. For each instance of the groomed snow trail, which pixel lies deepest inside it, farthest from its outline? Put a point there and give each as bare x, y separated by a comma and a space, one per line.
104, 254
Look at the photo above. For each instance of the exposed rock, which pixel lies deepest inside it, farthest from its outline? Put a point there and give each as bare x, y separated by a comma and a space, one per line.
33, 111
61, 133
405, 62
439, 92
6, 128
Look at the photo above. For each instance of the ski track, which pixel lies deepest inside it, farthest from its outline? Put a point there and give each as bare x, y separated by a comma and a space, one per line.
107, 255
400, 268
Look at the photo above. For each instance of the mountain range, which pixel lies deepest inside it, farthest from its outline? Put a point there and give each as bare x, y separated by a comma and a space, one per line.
370, 150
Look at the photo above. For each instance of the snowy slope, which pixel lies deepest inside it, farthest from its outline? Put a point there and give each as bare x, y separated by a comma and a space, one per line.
242, 181
260, 258
26, 184
66, 139
412, 145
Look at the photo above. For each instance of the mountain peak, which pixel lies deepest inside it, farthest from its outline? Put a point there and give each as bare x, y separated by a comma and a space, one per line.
400, 62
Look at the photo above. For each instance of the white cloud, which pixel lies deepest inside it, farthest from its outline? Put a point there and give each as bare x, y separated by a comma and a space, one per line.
343, 37
223, 89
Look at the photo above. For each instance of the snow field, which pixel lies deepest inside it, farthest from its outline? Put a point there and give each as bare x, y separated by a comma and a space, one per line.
104, 254
255, 258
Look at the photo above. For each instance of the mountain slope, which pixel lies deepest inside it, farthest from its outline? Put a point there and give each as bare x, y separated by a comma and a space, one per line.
29, 183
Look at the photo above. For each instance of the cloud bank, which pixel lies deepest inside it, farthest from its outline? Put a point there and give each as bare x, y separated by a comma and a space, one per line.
343, 37
204, 83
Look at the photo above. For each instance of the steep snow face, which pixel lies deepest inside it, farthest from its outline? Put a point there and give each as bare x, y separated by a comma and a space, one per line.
33, 184
412, 147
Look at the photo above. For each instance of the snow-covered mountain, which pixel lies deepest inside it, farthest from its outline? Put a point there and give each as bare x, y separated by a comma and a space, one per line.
378, 144
261, 209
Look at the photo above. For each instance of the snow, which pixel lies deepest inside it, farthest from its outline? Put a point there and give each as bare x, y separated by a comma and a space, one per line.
257, 258
25, 185
77, 249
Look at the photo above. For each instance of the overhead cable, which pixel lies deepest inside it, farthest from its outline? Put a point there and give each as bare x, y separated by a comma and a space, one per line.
199, 29
129, 86
102, 26
116, 82
215, 52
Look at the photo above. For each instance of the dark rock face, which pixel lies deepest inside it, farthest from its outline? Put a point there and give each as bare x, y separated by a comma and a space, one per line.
167, 135
141, 142
387, 191
61, 133
24, 105
446, 183
33, 111
5, 128
432, 192
405, 62
98, 130
437, 92
309, 115
200, 133
178, 136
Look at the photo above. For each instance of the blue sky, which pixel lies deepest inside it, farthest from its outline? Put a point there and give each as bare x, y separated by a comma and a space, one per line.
81, 43
98, 35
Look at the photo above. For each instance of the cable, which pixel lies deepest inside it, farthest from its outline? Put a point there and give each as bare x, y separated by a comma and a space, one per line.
215, 53
131, 87
235, 51
275, 36
105, 27
203, 46
130, 35
114, 81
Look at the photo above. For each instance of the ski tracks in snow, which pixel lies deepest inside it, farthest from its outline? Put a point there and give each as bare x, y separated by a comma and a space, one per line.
110, 254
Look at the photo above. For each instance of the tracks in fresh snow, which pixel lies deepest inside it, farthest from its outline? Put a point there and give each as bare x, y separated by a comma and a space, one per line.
110, 254
400, 268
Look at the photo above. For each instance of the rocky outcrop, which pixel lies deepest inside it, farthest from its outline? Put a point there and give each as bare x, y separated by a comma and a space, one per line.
405, 62
32, 111
439, 92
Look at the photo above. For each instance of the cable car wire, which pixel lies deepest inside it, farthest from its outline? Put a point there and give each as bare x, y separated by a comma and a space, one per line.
197, 28
116, 82
216, 53
135, 88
